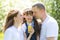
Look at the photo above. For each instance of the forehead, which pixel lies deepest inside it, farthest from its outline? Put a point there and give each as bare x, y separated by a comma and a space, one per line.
34, 8
19, 14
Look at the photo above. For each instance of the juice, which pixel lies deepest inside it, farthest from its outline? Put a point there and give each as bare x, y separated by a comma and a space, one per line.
29, 29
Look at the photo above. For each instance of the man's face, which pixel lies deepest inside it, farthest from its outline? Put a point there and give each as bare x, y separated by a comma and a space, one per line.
36, 12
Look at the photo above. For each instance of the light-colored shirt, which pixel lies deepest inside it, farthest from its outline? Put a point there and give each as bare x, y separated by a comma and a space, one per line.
13, 33
49, 28
24, 27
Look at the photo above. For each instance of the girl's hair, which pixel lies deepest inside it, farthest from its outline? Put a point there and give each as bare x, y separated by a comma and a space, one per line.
37, 28
10, 19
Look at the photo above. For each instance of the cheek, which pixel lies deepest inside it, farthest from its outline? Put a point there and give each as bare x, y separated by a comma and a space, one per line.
33, 14
36, 14
21, 18
31, 18
18, 18
26, 18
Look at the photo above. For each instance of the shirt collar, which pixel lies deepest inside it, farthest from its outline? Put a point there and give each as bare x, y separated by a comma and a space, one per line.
45, 19
31, 24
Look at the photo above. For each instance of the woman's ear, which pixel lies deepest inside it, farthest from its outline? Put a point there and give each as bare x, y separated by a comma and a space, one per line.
14, 18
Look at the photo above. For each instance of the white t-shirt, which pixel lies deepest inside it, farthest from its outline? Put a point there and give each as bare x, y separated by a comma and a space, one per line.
24, 27
49, 28
13, 33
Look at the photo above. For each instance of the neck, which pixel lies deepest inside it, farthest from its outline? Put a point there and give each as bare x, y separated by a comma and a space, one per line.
43, 17
29, 22
16, 25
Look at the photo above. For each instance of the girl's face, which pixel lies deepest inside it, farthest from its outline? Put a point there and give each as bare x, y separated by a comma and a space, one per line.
29, 18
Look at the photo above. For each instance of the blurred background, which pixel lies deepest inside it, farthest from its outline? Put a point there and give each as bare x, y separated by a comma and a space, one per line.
52, 7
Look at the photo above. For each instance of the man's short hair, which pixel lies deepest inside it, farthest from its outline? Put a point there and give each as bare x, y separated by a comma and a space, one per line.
39, 6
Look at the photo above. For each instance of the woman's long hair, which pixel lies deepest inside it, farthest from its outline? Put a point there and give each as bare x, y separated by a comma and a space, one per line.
37, 27
10, 19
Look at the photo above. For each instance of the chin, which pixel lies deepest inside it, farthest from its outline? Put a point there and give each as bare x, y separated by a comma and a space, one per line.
29, 20
36, 17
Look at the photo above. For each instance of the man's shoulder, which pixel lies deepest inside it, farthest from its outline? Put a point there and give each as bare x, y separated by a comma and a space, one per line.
51, 20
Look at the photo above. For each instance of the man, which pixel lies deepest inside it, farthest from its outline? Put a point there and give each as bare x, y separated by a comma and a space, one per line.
49, 29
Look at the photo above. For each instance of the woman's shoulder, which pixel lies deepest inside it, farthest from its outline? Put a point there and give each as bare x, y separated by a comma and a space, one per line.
23, 24
9, 29
23, 27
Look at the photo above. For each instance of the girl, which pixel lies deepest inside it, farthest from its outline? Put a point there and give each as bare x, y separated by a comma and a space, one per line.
31, 27
12, 28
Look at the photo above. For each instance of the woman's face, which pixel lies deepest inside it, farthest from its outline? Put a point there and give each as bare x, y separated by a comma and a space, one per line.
29, 18
19, 18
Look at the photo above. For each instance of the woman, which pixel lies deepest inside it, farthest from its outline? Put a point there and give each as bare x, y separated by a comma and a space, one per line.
31, 27
12, 28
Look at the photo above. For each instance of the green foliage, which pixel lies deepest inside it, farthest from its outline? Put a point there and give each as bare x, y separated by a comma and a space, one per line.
59, 37
2, 15
56, 10
52, 6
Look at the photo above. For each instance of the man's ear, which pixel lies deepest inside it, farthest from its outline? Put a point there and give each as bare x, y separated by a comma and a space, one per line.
42, 10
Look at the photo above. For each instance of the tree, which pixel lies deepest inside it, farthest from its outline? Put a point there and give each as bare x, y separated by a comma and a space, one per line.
56, 11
